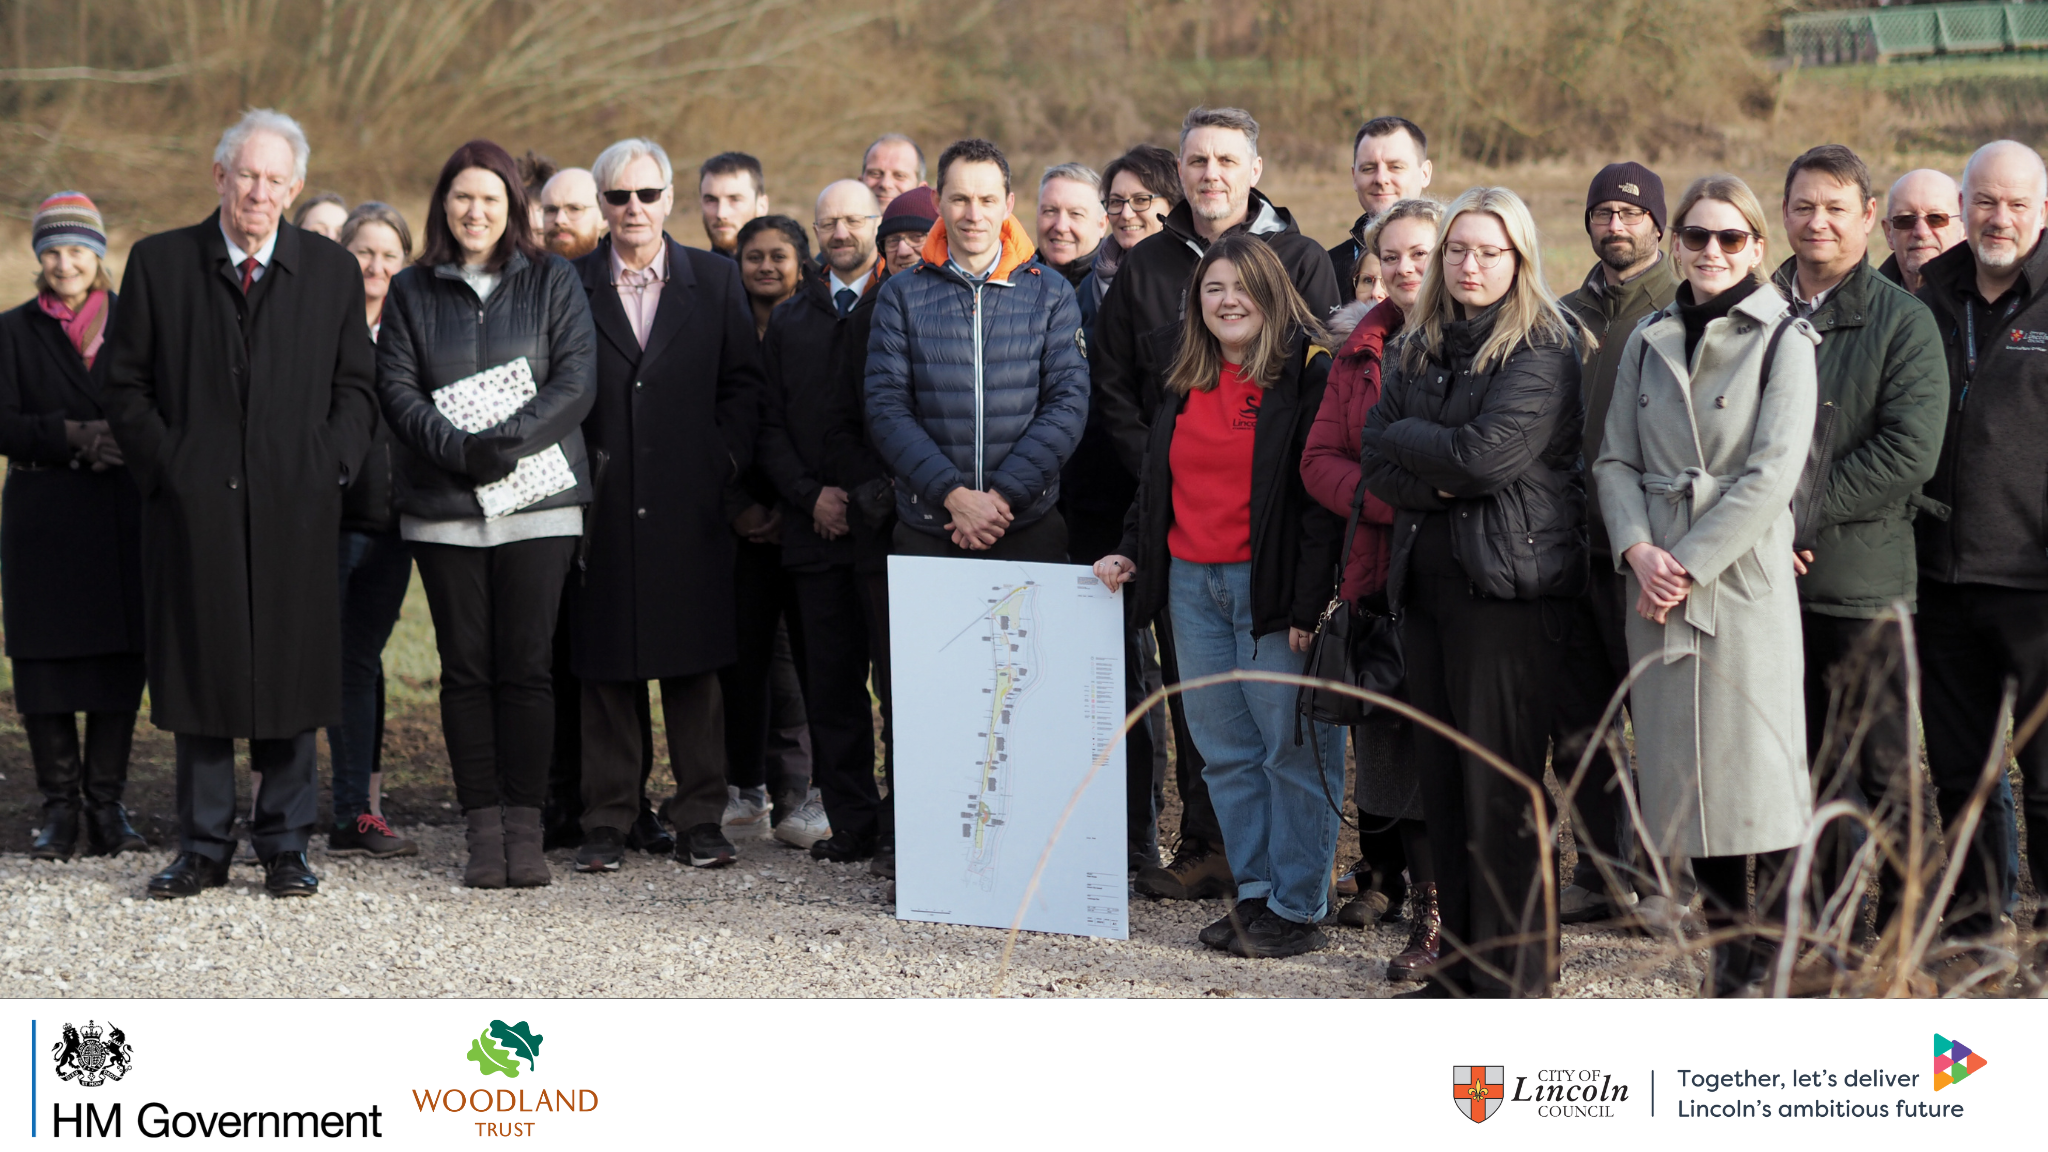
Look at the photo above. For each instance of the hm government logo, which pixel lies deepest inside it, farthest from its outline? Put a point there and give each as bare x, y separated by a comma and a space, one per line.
92, 1055
500, 1047
1953, 1062
1477, 1090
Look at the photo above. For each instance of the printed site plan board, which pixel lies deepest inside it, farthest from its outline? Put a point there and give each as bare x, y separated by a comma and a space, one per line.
1008, 682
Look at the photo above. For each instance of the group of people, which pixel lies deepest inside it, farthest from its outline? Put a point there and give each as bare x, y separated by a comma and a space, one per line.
1732, 493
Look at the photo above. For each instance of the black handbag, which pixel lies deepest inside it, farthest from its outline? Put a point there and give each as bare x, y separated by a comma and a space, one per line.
1357, 644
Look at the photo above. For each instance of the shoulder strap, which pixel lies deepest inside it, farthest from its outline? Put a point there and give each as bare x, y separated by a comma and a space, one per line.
1771, 350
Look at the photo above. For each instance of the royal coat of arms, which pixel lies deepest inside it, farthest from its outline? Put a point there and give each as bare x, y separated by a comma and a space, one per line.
92, 1055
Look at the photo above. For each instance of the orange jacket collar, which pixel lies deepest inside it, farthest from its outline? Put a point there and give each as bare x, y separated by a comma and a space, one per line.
1017, 248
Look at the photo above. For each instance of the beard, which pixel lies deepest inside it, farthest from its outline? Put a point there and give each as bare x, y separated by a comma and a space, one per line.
1622, 253
568, 245
2001, 259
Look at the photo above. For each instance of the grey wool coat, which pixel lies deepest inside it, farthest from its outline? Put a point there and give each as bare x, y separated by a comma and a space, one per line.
1701, 460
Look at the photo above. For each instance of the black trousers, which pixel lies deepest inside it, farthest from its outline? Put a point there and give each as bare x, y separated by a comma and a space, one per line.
1486, 667
1091, 535
1596, 662
286, 805
494, 624
1973, 638
766, 741
565, 767
1856, 734
62, 774
693, 716
836, 661
1041, 542
1724, 885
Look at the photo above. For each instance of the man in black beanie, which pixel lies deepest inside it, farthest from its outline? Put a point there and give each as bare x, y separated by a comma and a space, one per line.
1625, 221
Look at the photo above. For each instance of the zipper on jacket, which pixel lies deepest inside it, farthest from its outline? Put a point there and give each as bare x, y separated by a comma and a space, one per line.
980, 437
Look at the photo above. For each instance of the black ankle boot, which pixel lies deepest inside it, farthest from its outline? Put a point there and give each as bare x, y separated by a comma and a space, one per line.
58, 837
108, 833
53, 745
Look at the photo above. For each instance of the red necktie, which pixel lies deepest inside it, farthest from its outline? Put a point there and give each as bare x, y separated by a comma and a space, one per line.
248, 274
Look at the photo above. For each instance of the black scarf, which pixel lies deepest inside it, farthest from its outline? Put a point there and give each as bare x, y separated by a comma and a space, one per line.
1698, 316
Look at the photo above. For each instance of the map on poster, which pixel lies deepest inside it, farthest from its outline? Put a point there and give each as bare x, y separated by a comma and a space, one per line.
1007, 681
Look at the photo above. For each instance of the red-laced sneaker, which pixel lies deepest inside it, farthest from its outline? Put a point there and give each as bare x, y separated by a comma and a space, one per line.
369, 836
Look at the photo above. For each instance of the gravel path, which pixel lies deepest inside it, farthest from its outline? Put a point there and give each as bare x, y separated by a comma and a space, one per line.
775, 924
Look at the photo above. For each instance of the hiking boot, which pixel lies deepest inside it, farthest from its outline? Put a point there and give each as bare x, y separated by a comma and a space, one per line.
108, 833
368, 835
526, 865
486, 841
1198, 872
603, 850
746, 810
1365, 909
805, 824
884, 863
705, 846
1272, 936
58, 837
1232, 923
1347, 883
1579, 905
1425, 939
648, 834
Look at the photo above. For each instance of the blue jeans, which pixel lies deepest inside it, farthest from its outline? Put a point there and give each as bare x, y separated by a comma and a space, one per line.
1279, 822
375, 569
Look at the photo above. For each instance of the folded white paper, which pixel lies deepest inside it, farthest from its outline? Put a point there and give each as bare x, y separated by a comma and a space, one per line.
485, 400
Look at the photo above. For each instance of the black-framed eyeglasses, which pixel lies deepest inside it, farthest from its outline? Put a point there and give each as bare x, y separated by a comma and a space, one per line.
1142, 202
1936, 221
617, 197
1630, 215
1731, 240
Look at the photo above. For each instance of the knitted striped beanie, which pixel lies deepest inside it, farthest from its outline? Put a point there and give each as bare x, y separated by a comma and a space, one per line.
69, 218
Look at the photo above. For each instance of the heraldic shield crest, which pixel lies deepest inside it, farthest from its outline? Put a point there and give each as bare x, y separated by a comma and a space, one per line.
92, 1055
1477, 1090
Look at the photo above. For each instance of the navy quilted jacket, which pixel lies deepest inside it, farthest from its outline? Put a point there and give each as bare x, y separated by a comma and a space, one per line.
979, 386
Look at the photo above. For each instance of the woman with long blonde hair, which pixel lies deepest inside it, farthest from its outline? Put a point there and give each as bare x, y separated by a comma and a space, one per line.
1228, 538
1474, 442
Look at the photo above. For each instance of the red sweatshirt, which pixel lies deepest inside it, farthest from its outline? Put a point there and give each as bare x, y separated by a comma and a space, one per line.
1212, 472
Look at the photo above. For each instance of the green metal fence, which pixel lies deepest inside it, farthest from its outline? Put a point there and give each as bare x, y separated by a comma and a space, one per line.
1870, 34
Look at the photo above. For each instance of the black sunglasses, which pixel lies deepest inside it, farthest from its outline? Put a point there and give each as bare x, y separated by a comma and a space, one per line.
617, 197
1732, 240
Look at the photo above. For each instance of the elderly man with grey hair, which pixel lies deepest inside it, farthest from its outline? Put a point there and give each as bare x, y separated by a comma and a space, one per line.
1071, 219
678, 396
1983, 622
239, 375
1923, 217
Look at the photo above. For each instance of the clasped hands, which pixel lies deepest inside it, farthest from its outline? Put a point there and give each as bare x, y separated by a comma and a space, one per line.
1665, 582
92, 443
979, 518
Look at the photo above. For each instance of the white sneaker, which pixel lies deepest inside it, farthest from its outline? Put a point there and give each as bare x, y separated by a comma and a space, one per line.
806, 824
746, 810
1660, 916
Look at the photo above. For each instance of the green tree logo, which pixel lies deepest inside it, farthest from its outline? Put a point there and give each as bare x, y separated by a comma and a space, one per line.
500, 1047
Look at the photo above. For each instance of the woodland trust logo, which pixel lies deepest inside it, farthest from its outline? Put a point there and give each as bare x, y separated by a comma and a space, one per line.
500, 1047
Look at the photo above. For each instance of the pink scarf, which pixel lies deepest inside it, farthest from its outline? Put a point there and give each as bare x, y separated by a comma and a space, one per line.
86, 328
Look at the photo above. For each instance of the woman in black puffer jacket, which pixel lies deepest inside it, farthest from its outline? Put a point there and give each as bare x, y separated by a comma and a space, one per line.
1474, 442
484, 294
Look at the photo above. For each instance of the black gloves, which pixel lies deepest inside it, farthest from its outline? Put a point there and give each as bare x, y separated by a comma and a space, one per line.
489, 459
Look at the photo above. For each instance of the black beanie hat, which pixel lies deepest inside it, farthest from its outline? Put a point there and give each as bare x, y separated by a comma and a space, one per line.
1630, 183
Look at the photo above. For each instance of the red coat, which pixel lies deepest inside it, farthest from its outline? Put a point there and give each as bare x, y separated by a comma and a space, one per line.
1329, 464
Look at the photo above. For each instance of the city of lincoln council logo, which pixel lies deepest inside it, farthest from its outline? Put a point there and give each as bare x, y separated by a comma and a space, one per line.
93, 1056
1477, 1090
500, 1048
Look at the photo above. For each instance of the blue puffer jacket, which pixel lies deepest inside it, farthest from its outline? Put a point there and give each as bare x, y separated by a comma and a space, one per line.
977, 386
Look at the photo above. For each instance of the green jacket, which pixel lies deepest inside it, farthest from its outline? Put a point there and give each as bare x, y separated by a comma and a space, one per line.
1883, 372
1611, 313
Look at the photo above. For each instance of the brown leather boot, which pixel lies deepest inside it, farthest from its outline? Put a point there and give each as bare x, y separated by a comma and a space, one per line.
486, 848
525, 864
1425, 941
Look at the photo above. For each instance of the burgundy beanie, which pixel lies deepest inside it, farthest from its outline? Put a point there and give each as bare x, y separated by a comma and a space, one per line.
913, 211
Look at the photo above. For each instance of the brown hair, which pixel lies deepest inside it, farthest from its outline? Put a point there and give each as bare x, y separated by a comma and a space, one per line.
1833, 160
377, 212
306, 206
440, 247
1199, 364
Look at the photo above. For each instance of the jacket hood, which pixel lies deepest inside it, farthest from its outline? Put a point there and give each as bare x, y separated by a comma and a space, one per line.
1370, 337
1017, 248
1262, 217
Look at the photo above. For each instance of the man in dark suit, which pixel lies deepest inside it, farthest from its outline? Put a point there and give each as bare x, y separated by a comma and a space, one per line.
678, 382
239, 388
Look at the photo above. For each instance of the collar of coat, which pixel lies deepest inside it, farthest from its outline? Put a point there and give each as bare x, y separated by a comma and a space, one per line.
285, 255
1846, 307
1016, 243
1955, 270
1664, 329
817, 291
1611, 300
1370, 337
1261, 218
596, 265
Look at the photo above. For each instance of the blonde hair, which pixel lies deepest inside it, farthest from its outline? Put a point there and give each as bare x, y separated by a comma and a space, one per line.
1729, 190
1529, 313
1415, 209
1199, 364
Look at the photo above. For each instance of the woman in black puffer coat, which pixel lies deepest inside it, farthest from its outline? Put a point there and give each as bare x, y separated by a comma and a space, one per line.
482, 295
1474, 442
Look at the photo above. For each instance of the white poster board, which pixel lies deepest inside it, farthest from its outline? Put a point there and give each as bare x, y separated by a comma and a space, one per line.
1007, 682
